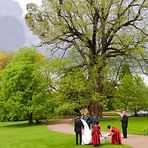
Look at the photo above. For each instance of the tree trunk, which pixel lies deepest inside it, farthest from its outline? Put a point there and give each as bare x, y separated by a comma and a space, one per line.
97, 86
96, 74
95, 107
30, 119
135, 112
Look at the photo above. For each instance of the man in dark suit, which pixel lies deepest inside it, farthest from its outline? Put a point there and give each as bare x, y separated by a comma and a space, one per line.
124, 120
78, 129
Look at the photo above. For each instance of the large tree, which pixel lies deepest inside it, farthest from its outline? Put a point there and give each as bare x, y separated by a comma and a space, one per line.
24, 93
101, 31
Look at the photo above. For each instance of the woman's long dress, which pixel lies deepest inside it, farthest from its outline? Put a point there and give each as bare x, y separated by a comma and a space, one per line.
86, 135
116, 136
96, 135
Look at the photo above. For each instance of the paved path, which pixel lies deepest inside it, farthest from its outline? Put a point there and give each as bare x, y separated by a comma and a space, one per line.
135, 141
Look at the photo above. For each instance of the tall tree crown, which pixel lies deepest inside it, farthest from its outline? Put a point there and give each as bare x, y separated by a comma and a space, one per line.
113, 27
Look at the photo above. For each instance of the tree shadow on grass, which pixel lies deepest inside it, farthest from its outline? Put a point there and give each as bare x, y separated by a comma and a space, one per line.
19, 124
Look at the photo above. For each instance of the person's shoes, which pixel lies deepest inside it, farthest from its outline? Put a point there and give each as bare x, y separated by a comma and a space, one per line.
124, 137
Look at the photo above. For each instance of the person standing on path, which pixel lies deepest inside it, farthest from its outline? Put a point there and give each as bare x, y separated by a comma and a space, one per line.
124, 121
78, 129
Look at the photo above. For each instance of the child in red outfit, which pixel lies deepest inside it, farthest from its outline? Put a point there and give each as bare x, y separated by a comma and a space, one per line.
96, 134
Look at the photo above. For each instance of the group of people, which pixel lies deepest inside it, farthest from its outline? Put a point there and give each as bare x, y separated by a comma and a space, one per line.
88, 130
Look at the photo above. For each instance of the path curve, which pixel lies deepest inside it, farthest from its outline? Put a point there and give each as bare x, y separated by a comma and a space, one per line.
65, 126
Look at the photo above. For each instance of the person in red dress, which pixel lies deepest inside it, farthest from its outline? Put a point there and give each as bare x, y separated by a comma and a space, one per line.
96, 134
115, 135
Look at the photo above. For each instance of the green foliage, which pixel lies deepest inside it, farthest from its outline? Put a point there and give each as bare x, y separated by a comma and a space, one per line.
125, 70
145, 131
5, 58
66, 109
72, 90
132, 94
23, 86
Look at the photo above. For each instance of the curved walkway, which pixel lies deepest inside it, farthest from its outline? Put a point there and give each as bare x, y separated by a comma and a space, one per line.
135, 141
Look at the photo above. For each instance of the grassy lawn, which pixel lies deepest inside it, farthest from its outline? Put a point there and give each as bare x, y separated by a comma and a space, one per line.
20, 135
137, 125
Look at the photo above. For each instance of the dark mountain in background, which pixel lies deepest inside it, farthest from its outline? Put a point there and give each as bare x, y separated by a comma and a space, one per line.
14, 32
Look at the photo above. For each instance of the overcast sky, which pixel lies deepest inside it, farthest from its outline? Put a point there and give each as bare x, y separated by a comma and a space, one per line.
14, 32
31, 39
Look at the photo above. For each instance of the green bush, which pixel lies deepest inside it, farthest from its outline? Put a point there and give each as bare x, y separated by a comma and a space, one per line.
66, 109
113, 113
146, 132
